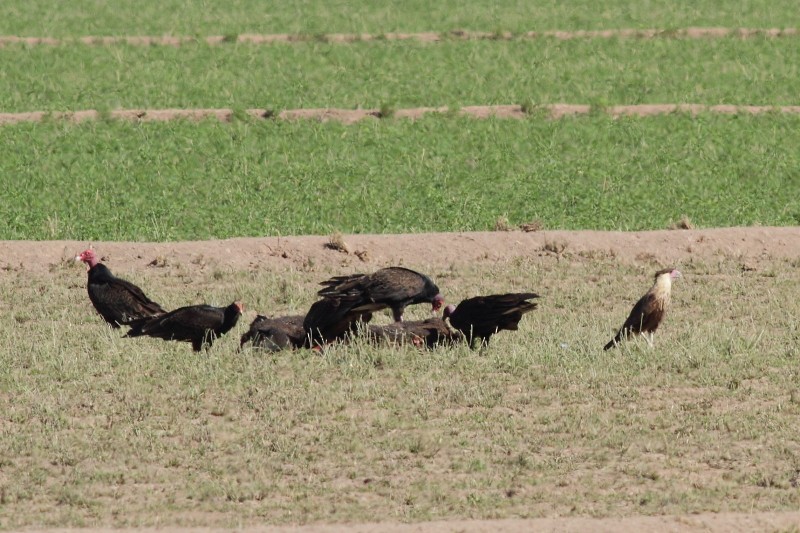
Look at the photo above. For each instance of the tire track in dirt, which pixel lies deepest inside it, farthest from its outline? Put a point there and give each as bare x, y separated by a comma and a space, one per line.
427, 37
351, 116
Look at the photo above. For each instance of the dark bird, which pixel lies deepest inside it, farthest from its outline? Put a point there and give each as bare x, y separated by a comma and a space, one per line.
198, 324
393, 287
275, 334
333, 318
649, 311
429, 333
483, 316
119, 302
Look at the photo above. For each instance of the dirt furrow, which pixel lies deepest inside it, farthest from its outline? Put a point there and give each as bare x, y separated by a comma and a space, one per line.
750, 246
350, 116
254, 38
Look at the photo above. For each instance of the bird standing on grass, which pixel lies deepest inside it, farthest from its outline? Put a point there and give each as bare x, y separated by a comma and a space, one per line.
198, 324
119, 302
392, 287
483, 316
649, 311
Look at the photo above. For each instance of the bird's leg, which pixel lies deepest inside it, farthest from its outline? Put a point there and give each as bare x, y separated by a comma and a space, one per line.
648, 338
397, 314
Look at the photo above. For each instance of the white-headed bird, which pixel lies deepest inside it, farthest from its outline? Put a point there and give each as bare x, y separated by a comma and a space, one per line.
649, 311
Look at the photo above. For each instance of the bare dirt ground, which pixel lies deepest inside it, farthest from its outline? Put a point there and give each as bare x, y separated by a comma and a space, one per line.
728, 522
754, 248
351, 116
673, 247
430, 36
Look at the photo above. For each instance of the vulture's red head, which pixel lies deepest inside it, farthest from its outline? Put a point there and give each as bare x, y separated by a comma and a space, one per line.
448, 311
437, 303
87, 256
675, 274
239, 306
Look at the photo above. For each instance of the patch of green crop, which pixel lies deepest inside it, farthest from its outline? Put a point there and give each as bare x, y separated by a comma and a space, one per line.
223, 17
173, 181
402, 74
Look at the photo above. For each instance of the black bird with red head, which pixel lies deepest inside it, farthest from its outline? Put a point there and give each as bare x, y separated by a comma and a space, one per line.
119, 302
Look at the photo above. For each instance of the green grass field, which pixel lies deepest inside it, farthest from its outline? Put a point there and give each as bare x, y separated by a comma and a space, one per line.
218, 17
181, 180
100, 430
401, 74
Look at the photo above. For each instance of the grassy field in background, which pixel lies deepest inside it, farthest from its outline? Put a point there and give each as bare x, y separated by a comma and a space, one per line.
181, 180
218, 17
100, 430
401, 74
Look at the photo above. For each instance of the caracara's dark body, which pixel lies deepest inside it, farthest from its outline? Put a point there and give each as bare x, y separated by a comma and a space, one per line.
430, 333
481, 317
331, 319
119, 302
393, 287
198, 324
649, 311
275, 334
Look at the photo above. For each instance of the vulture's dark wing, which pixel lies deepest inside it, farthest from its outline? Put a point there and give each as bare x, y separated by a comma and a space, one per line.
386, 286
275, 333
332, 318
118, 301
485, 315
184, 323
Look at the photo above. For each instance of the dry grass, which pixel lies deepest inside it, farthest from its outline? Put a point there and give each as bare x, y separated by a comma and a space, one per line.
683, 223
101, 430
337, 242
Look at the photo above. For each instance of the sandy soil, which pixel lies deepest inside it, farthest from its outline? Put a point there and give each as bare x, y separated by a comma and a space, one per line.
707, 522
753, 247
252, 38
668, 247
350, 116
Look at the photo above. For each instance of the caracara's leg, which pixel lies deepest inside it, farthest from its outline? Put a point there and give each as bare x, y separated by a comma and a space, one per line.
648, 336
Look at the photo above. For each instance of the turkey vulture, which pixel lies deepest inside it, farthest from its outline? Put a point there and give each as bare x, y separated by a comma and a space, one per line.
119, 302
275, 334
649, 311
483, 316
393, 287
198, 324
430, 333
332, 318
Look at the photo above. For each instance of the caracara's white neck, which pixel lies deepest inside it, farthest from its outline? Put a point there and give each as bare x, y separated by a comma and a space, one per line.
662, 286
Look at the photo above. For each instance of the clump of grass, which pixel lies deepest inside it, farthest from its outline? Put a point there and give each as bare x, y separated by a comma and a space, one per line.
502, 224
683, 223
533, 225
160, 261
555, 246
336, 242
386, 111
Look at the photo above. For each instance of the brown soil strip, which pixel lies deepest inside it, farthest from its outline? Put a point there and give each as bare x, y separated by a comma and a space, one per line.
751, 246
427, 37
705, 522
350, 116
